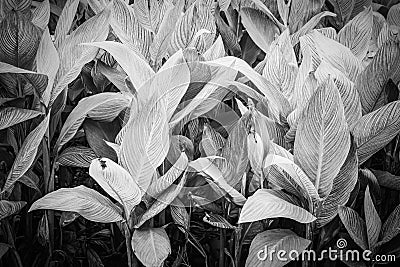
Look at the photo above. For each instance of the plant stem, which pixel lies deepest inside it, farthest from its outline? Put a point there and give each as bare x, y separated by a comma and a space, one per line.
221, 247
129, 250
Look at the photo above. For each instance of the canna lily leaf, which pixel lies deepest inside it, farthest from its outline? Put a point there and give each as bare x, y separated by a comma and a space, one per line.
47, 62
260, 28
370, 83
376, 129
228, 36
10, 116
179, 213
151, 13
343, 8
162, 201
65, 21
151, 246
117, 182
74, 56
19, 40
393, 16
217, 221
264, 205
162, 183
260, 5
26, 154
101, 107
372, 220
390, 228
343, 185
134, 65
355, 225
145, 142
301, 11
320, 134
386, 179
8, 208
87, 202
356, 34
274, 240
359, 6
41, 14
78, 156
217, 50
118, 78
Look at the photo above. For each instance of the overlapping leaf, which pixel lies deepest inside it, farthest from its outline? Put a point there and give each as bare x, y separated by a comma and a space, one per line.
89, 203
151, 13
355, 226
65, 21
8, 207
374, 130
372, 220
10, 116
393, 16
117, 182
76, 157
41, 14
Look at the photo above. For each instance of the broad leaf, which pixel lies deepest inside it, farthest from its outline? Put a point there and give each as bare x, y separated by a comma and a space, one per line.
26, 154
343, 8
134, 65
376, 129
41, 14
393, 16
102, 107
264, 205
65, 21
371, 82
386, 179
10, 116
151, 13
117, 182
320, 135
274, 240
391, 227
76, 157
217, 50
151, 246
260, 28
355, 226
356, 34
8, 208
89, 203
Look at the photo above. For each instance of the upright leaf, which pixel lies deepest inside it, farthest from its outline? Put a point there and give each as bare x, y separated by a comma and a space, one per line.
26, 154
65, 21
320, 135
372, 220
41, 14
355, 225
393, 16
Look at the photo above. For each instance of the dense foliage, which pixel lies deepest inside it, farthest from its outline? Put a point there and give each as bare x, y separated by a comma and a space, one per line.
198, 132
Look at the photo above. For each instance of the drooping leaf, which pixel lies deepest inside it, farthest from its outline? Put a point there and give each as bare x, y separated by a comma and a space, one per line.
320, 135
217, 221
73, 55
136, 67
151, 246
386, 179
8, 207
146, 142
89, 203
274, 240
372, 220
343, 185
264, 205
355, 226
370, 83
102, 107
117, 182
374, 130
41, 14
356, 34
76, 157
26, 154
260, 28
10, 116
